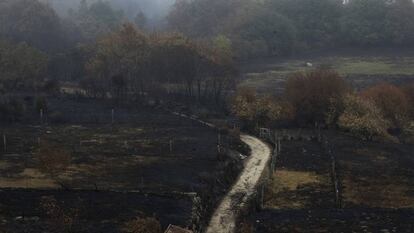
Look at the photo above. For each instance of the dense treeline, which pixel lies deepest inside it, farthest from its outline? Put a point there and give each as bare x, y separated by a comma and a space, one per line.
106, 55
281, 27
129, 64
36, 24
322, 98
110, 58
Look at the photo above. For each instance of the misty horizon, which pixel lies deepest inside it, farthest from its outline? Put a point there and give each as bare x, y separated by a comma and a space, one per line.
154, 10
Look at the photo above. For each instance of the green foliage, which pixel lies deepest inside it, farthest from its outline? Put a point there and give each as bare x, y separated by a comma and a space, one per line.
122, 54
21, 67
399, 23
96, 19
364, 22
32, 22
280, 27
266, 34
316, 21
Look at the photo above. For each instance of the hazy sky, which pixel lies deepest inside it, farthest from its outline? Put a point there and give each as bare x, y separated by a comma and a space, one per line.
152, 8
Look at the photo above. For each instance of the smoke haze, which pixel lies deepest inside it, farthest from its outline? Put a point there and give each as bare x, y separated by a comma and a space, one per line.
154, 10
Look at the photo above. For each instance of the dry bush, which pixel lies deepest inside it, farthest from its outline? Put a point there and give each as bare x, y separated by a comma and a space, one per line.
53, 161
246, 227
271, 110
409, 93
408, 133
363, 118
260, 110
244, 104
392, 102
59, 219
142, 225
316, 95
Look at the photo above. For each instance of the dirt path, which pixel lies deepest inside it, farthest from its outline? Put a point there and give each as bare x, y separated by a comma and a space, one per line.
224, 218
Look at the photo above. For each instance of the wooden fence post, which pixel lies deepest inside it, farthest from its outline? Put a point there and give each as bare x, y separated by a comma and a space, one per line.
112, 116
41, 116
5, 143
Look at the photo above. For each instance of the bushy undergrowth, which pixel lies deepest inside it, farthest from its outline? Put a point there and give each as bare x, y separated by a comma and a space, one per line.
323, 98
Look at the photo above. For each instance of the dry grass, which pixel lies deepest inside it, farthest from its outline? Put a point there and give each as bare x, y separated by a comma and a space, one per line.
374, 179
379, 192
29, 178
281, 191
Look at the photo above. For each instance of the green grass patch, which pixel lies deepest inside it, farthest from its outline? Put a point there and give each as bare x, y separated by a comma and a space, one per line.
272, 76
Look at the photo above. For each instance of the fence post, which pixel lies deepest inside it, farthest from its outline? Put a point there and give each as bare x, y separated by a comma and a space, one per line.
112, 116
41, 116
5, 143
219, 138
279, 147
262, 191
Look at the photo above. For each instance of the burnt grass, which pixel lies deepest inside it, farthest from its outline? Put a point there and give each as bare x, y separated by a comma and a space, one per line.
98, 211
306, 157
132, 154
377, 189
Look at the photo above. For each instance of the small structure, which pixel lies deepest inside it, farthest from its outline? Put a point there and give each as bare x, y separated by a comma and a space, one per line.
176, 229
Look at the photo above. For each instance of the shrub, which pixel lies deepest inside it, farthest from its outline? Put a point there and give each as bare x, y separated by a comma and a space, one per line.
143, 225
408, 133
11, 110
53, 161
409, 93
363, 118
260, 110
57, 117
392, 102
315, 95
59, 219
244, 104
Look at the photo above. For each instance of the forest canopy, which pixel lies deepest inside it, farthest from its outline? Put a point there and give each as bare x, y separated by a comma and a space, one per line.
283, 27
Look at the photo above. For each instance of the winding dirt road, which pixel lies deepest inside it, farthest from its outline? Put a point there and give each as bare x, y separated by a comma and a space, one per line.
224, 218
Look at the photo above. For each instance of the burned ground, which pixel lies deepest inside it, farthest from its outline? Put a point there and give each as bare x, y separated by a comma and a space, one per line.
373, 174
302, 178
98, 211
333, 220
145, 149
376, 188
